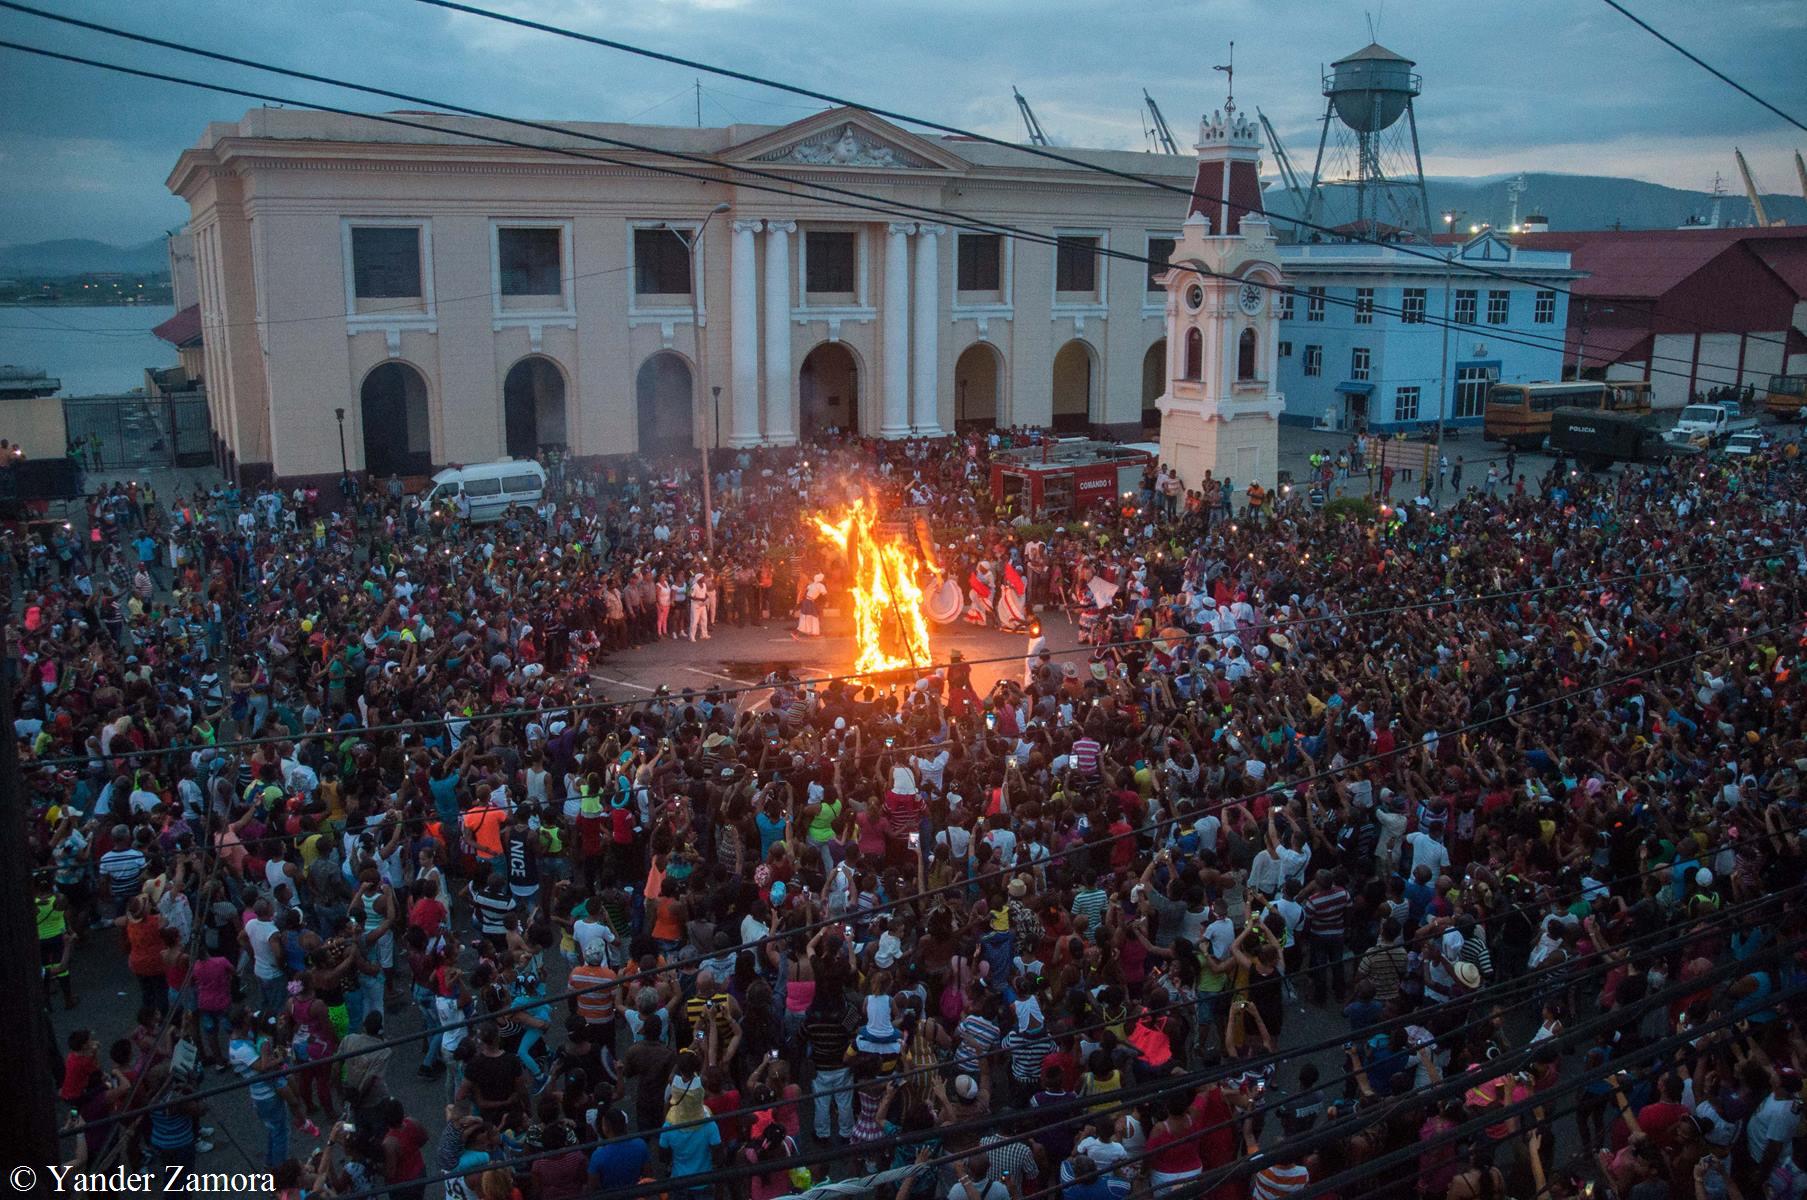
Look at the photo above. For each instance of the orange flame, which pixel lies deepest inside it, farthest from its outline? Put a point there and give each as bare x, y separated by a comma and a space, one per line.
888, 621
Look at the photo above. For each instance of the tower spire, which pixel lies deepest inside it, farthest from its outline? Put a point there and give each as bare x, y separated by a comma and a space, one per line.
1229, 70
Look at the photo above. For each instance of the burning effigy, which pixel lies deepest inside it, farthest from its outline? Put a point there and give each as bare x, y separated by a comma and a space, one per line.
886, 574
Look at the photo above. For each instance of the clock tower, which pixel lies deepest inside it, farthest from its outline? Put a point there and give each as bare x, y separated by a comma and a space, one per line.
1220, 411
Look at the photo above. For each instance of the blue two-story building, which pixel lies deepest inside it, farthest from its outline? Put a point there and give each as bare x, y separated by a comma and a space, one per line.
1362, 329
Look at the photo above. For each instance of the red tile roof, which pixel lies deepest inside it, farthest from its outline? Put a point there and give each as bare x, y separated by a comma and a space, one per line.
182, 330
1650, 263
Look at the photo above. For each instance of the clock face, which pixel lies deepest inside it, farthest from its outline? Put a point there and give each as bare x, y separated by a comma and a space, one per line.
1250, 298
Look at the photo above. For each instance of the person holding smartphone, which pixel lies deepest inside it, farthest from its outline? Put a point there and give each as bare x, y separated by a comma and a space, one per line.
973, 1181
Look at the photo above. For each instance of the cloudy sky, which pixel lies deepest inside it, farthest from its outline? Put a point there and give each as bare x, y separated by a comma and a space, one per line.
1536, 85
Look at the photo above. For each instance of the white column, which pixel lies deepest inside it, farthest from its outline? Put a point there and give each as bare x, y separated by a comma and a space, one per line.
925, 419
743, 339
896, 323
780, 421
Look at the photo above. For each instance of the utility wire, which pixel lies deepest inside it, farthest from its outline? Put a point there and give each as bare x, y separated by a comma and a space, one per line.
962, 885
632, 703
1088, 1105
973, 135
1512, 1060
1482, 1000
1694, 58
878, 204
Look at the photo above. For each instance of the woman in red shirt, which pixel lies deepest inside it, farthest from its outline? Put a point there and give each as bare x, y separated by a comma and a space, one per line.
1173, 1147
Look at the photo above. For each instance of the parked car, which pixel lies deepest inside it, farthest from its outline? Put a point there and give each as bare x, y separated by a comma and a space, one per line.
1748, 442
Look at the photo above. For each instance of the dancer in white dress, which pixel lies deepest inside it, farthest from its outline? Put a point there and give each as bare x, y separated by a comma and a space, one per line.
809, 611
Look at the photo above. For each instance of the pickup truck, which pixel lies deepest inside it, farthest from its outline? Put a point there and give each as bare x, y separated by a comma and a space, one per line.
1711, 424
1597, 439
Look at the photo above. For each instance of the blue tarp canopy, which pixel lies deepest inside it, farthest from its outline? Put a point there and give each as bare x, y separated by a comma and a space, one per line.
1355, 387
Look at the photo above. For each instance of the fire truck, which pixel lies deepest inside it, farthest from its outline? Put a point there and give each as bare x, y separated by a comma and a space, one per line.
1066, 477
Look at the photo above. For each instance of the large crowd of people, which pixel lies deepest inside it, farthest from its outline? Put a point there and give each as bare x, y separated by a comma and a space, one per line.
1504, 794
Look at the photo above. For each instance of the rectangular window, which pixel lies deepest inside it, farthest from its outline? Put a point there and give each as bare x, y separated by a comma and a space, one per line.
1160, 249
1364, 306
1499, 307
1361, 362
1545, 312
1285, 349
1314, 360
981, 258
483, 487
385, 262
1405, 404
1286, 304
528, 261
516, 484
662, 262
831, 259
1465, 306
1076, 264
1314, 304
1472, 385
1411, 307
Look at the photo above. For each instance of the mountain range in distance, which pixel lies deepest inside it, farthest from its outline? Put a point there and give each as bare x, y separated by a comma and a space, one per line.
83, 256
1574, 202
1569, 202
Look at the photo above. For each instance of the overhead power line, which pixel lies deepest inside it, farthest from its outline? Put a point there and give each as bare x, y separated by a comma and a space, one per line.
858, 200
1694, 58
555, 710
1038, 151
1152, 827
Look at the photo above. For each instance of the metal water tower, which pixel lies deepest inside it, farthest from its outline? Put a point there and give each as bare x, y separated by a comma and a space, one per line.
1369, 172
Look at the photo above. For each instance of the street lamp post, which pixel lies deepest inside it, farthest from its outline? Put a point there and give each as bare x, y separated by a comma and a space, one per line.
344, 467
702, 365
1449, 276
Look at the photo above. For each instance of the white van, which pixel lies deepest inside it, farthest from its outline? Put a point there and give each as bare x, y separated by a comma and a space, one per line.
493, 488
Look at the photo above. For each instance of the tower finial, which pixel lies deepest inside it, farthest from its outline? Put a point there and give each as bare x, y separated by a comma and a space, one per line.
1229, 70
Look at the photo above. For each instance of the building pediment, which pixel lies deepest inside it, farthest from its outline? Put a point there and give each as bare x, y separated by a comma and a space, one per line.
1486, 246
846, 137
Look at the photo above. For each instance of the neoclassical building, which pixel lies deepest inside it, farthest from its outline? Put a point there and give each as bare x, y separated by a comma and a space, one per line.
460, 301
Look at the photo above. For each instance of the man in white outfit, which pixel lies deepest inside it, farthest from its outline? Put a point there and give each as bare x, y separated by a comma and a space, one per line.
699, 606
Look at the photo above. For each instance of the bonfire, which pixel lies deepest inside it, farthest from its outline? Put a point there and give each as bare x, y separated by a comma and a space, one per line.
885, 572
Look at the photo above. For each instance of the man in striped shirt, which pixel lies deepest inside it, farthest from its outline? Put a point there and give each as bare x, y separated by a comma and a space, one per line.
1089, 902
123, 867
979, 1036
1086, 750
1281, 1176
1384, 963
1027, 1045
1326, 904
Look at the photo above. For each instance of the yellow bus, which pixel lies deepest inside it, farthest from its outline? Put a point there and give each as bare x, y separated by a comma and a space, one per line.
1784, 396
1519, 413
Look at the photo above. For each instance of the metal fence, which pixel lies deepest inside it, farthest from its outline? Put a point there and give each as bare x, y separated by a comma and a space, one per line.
137, 431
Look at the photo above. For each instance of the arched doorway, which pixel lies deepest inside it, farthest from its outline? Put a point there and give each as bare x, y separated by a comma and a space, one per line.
1154, 383
398, 431
1073, 386
828, 391
665, 402
533, 406
977, 374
